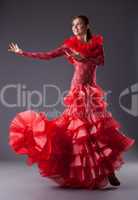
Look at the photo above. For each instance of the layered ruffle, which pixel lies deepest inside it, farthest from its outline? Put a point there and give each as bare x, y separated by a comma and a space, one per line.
27, 134
81, 147
86, 49
32, 134
91, 49
97, 152
86, 102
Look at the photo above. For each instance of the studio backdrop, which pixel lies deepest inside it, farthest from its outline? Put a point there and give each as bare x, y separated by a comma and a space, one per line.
39, 85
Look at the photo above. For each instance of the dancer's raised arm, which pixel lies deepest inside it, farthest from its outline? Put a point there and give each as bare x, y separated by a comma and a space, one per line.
38, 55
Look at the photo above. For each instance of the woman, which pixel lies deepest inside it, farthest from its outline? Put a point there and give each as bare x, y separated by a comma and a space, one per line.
83, 146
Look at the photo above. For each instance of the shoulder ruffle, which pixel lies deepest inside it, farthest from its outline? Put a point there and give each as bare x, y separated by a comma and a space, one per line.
99, 39
85, 49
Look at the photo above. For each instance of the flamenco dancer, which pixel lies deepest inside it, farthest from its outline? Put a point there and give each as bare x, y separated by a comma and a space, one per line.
83, 146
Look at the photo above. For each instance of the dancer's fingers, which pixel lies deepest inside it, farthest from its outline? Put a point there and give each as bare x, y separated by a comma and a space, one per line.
17, 48
12, 44
10, 48
16, 45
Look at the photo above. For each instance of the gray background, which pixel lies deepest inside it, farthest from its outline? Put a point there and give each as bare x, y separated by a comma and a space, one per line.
42, 26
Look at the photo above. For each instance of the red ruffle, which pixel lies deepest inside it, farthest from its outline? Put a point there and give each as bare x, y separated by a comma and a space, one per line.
31, 133
80, 148
91, 48
85, 102
27, 134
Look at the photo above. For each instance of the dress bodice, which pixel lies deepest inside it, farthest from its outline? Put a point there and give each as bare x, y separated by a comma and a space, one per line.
84, 73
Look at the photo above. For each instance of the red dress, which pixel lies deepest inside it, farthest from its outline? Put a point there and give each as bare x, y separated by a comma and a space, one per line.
83, 145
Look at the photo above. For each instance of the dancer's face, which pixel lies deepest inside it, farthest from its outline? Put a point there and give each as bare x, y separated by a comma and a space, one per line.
79, 28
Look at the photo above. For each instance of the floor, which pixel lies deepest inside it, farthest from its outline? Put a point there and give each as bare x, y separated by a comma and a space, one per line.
18, 181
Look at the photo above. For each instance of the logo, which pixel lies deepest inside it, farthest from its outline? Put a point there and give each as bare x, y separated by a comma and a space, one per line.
131, 94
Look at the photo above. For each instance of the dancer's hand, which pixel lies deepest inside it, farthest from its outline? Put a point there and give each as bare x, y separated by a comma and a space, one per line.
14, 48
75, 55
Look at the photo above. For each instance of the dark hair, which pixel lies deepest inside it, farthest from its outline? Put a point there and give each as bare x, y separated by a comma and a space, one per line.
86, 22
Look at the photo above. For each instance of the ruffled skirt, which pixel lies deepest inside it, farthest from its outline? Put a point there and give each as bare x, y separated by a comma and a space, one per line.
79, 148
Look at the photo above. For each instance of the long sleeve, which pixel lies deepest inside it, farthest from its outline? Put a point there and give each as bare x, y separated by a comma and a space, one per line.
44, 55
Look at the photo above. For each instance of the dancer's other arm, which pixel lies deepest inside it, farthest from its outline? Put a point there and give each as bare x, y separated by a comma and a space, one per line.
38, 55
97, 59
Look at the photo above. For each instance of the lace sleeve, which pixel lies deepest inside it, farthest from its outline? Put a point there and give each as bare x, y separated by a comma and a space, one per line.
60, 51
